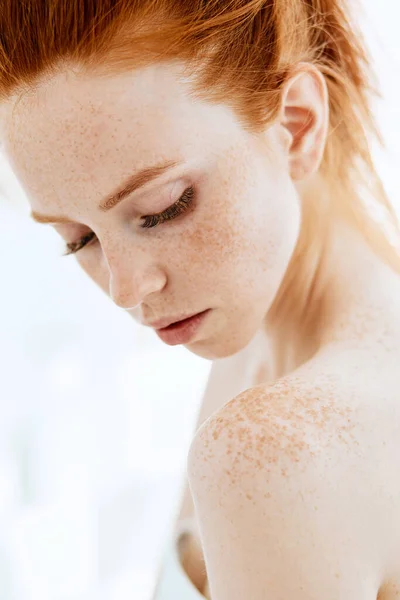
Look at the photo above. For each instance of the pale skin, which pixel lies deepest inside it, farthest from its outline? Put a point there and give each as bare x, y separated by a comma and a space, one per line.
294, 467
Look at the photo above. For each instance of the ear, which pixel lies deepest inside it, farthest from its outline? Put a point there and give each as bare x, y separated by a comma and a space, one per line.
304, 120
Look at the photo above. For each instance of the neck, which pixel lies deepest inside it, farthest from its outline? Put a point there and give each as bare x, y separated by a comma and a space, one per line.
349, 297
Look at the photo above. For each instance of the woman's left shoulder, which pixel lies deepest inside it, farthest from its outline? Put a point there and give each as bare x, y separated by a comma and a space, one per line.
294, 416
277, 491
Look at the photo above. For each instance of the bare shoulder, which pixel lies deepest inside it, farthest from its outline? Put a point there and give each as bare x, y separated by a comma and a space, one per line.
280, 472
313, 415
291, 418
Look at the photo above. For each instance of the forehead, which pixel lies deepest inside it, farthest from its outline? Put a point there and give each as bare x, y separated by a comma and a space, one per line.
79, 135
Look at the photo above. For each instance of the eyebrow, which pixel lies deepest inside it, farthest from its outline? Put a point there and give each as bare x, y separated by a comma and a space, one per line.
132, 184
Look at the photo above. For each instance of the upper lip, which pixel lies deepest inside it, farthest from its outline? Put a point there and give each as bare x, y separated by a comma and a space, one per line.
169, 320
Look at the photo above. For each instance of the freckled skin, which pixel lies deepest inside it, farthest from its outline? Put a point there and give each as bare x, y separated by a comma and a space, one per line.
89, 134
307, 392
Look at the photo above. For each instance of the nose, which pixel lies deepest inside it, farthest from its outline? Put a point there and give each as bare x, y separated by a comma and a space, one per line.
130, 284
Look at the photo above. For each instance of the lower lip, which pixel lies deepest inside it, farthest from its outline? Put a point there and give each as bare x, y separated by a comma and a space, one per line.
182, 332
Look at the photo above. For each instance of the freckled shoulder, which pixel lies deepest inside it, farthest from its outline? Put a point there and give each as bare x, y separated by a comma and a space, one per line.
281, 499
289, 419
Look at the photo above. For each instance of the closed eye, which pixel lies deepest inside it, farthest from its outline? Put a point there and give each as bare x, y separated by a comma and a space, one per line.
172, 212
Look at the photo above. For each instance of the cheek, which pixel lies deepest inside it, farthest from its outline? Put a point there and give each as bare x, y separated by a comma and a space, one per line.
281, 228
217, 250
261, 242
279, 213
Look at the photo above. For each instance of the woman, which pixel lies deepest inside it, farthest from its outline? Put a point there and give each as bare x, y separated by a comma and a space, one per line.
213, 158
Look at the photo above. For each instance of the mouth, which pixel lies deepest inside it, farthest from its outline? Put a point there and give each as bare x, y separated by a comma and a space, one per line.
162, 324
178, 323
182, 332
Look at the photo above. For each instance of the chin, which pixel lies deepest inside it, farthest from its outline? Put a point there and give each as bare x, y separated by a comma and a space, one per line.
221, 345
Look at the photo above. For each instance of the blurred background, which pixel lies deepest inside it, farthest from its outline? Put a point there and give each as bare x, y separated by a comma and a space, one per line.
96, 413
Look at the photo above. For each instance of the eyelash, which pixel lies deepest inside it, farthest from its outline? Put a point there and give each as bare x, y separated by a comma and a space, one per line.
150, 221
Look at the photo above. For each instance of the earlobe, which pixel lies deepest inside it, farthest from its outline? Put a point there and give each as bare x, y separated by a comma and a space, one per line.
304, 117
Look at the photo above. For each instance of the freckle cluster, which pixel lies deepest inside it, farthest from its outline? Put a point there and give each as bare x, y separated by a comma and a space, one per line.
285, 423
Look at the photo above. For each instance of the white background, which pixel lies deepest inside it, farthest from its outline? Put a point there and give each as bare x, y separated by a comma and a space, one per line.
96, 413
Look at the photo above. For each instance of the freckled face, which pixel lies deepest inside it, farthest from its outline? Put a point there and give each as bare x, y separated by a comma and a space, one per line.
77, 138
